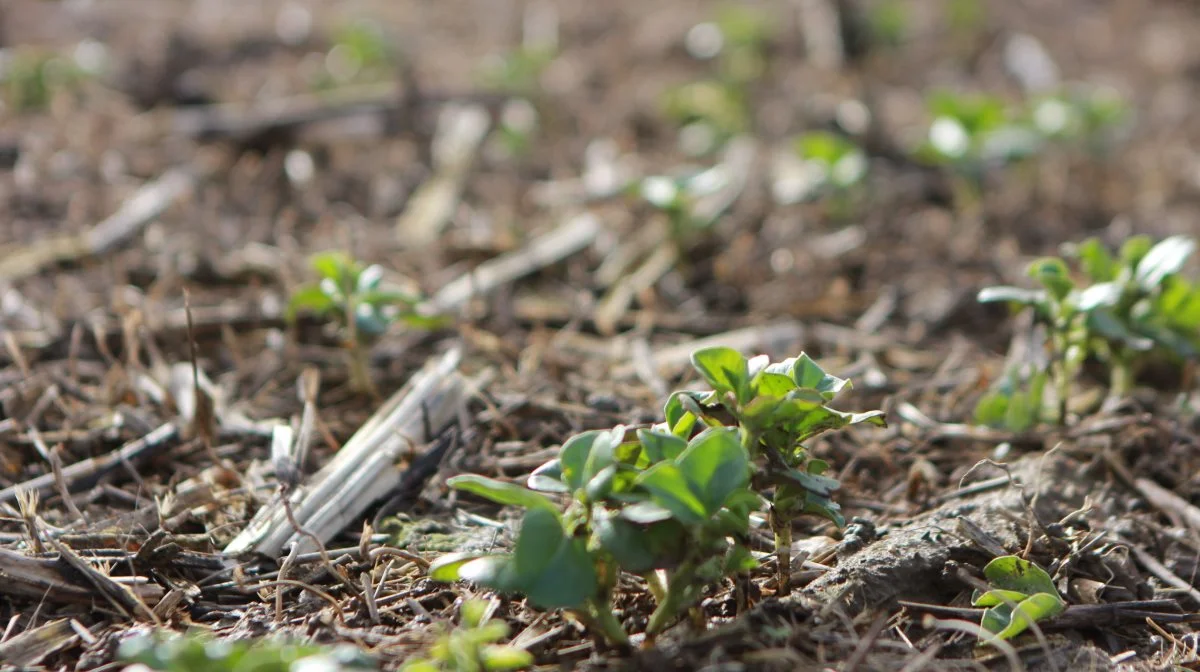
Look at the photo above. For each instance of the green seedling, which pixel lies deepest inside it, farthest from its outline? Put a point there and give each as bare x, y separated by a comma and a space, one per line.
835, 167
1134, 307
31, 79
359, 53
473, 646
672, 511
678, 198
710, 111
352, 297
1091, 118
1015, 404
201, 653
1021, 593
777, 407
972, 133
519, 72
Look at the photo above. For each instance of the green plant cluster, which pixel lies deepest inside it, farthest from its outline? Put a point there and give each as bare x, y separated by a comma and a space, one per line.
473, 646
969, 133
353, 297
670, 503
837, 164
710, 111
203, 653
31, 78
359, 53
1127, 310
1020, 593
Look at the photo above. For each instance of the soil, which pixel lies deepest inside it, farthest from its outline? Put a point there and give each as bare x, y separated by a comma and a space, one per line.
212, 115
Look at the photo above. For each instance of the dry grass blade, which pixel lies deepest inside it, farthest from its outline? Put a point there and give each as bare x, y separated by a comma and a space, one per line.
365, 469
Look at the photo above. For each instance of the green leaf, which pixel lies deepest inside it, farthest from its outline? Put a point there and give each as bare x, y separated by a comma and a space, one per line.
601, 485
679, 419
1100, 295
1009, 572
670, 489
716, 465
991, 409
552, 569
548, 478
501, 492
310, 299
1164, 259
1018, 295
1096, 261
1108, 325
627, 543
822, 486
725, 369
334, 265
497, 658
996, 596
1037, 607
576, 455
809, 375
1133, 249
446, 568
1052, 273
661, 446
644, 513
380, 298
768, 384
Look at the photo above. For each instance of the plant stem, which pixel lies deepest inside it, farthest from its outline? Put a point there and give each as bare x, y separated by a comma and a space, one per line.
782, 527
673, 602
1120, 381
360, 375
601, 617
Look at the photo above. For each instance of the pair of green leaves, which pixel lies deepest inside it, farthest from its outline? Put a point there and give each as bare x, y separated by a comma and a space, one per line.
202, 653
1021, 593
1015, 405
344, 285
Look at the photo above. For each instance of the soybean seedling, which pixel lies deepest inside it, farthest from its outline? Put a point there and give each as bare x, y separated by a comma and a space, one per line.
1135, 307
193, 653
833, 168
1020, 593
352, 297
672, 511
473, 646
776, 407
359, 52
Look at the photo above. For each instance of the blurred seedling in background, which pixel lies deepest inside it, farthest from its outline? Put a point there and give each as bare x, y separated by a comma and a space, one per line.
830, 168
1130, 310
970, 134
1015, 403
679, 199
359, 52
888, 22
1020, 593
354, 299
1087, 117
711, 111
473, 646
203, 653
31, 78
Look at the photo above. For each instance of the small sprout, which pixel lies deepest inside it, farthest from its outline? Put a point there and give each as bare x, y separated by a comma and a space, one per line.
473, 646
201, 653
519, 72
888, 21
359, 52
1021, 594
830, 165
1015, 404
31, 79
677, 197
355, 300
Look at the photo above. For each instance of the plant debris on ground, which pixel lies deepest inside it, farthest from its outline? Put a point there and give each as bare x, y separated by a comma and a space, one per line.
482, 336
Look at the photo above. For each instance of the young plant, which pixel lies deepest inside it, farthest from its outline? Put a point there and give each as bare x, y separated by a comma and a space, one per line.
1015, 404
1090, 117
711, 111
678, 197
359, 52
1135, 307
31, 79
518, 72
200, 653
675, 512
1021, 593
473, 646
353, 298
832, 167
777, 407
969, 134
